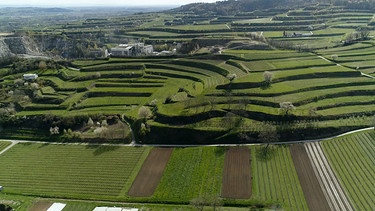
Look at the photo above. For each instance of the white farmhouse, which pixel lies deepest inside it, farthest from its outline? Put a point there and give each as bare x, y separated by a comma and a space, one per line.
32, 76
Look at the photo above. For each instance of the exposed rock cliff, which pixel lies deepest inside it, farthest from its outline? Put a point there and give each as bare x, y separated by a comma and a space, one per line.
10, 46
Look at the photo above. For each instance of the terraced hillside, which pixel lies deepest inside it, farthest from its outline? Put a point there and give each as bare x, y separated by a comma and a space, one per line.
308, 70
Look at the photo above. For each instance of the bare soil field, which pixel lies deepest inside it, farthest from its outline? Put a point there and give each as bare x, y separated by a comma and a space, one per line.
40, 206
151, 172
237, 174
310, 185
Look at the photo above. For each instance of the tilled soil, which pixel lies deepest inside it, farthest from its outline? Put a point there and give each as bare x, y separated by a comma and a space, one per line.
310, 185
151, 172
237, 174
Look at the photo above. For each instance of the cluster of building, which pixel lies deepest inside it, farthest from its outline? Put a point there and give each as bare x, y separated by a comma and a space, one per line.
137, 49
30, 77
297, 34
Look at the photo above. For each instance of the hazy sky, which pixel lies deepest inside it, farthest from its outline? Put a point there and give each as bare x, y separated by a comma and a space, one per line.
97, 2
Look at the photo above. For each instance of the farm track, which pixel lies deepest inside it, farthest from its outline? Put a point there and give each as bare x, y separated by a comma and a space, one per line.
309, 182
334, 193
133, 144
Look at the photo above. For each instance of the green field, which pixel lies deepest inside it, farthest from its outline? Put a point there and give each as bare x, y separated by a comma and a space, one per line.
352, 158
275, 179
81, 171
192, 173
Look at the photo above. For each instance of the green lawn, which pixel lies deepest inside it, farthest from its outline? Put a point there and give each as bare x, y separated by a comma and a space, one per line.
352, 158
77, 171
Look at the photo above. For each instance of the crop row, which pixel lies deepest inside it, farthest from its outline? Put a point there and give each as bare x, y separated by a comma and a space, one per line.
62, 170
276, 179
192, 173
353, 162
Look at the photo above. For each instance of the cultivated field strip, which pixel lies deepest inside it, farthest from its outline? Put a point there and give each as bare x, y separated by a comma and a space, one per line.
237, 175
354, 163
276, 179
334, 193
192, 172
151, 172
312, 190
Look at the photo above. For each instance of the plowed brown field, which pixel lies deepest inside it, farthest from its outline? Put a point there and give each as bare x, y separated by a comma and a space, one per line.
151, 172
310, 185
237, 175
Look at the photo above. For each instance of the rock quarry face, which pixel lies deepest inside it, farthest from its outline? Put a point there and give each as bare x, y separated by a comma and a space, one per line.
4, 49
10, 46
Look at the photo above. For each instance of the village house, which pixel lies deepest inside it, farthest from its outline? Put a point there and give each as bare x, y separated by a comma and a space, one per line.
30, 77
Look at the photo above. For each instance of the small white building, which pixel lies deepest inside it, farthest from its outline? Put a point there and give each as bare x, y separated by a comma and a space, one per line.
30, 76
114, 209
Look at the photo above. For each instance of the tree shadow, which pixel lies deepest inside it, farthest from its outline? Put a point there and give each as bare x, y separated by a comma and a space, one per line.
101, 149
44, 145
265, 86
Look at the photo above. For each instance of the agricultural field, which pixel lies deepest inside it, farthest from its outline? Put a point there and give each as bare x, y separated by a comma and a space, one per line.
151, 172
4, 144
314, 194
237, 175
275, 178
99, 172
192, 173
353, 163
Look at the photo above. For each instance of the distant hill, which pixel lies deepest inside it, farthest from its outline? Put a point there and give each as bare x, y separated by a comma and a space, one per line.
232, 7
32, 10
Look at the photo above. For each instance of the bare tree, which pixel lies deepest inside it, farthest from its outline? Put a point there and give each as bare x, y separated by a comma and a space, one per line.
287, 107
144, 112
267, 75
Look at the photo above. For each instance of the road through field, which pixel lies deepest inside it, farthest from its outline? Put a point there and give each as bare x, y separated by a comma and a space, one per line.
334, 193
192, 145
8, 147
